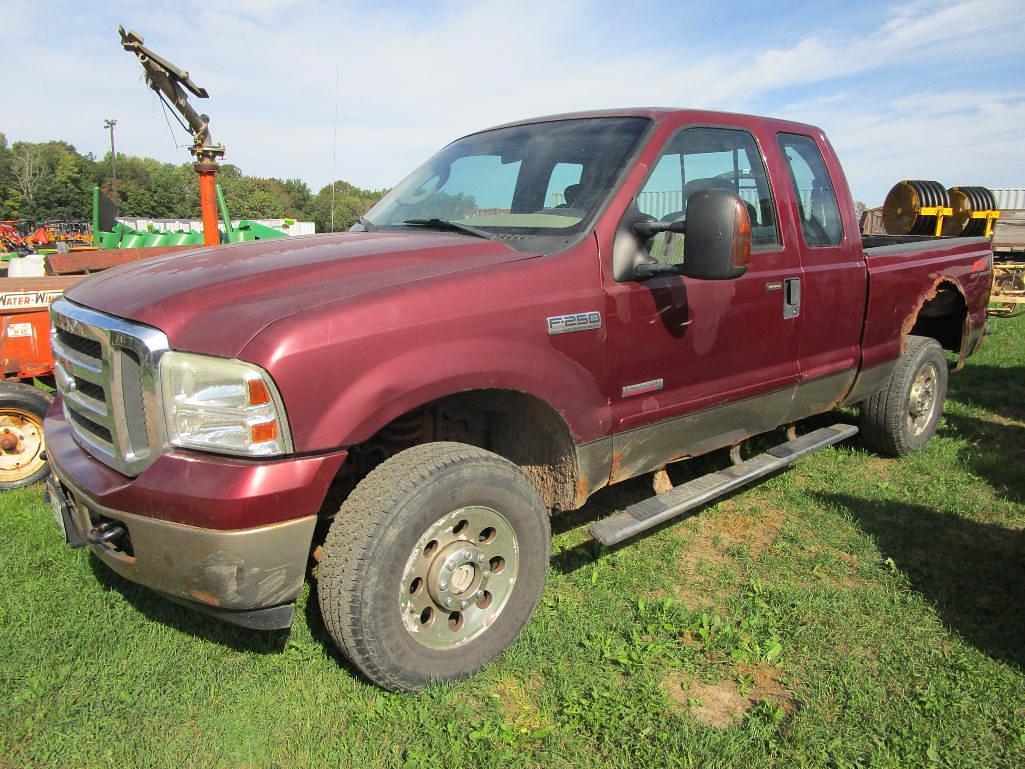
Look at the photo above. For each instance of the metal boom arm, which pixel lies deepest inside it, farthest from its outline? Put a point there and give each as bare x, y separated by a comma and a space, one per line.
172, 82
164, 77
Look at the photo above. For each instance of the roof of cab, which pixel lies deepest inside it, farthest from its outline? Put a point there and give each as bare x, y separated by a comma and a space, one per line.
660, 114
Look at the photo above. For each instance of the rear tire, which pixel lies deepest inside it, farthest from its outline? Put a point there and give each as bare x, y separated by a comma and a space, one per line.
902, 417
433, 565
22, 450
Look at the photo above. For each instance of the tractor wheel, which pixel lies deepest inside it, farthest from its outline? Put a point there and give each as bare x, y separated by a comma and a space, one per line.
22, 456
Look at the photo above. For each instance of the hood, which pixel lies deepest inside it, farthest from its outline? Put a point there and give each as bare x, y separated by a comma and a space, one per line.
214, 300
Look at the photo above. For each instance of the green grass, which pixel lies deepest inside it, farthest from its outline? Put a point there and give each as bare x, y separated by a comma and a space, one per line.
853, 611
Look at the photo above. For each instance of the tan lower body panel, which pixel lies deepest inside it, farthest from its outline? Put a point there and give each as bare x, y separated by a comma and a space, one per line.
244, 569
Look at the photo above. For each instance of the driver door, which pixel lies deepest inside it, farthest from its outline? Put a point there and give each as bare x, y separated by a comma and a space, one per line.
697, 365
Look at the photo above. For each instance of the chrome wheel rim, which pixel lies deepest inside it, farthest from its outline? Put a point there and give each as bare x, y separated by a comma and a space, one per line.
459, 577
21, 444
922, 399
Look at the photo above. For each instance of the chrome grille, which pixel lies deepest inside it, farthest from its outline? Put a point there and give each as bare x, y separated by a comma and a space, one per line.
106, 371
90, 348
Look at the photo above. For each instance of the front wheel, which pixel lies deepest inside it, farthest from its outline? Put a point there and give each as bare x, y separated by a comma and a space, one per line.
902, 417
22, 457
433, 565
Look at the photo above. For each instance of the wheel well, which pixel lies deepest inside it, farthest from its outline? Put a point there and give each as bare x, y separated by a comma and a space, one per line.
519, 427
941, 315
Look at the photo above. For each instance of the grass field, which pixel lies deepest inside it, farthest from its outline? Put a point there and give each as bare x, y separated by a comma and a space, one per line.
852, 611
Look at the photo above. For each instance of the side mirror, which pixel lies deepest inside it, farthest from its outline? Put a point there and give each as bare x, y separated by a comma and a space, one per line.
718, 240
643, 266
648, 229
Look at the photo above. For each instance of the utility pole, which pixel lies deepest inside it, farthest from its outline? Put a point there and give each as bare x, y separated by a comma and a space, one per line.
113, 158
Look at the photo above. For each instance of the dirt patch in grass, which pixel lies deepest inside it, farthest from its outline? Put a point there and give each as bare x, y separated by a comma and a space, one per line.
874, 469
1001, 419
716, 705
825, 564
877, 465
841, 555
697, 595
753, 524
714, 539
750, 524
701, 552
721, 704
515, 700
767, 685
712, 536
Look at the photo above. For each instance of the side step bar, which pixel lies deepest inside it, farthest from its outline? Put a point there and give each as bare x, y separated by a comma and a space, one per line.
651, 512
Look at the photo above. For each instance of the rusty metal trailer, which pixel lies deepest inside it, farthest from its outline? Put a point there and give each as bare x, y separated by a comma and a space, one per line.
1009, 261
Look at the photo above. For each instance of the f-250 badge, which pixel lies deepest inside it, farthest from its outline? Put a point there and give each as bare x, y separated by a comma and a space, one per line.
578, 321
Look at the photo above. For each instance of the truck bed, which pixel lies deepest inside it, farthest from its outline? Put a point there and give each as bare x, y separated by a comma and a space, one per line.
875, 245
904, 272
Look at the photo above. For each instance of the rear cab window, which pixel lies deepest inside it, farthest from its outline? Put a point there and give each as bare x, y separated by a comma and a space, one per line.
701, 158
817, 207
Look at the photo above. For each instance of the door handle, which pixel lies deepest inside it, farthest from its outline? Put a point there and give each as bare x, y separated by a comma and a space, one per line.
791, 297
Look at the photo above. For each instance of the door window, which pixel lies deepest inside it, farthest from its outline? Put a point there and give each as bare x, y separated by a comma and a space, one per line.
816, 199
708, 158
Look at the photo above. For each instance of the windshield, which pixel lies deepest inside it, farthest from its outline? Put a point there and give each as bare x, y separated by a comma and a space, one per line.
540, 179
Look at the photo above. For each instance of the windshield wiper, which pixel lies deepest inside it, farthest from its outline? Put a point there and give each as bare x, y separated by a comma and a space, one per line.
450, 226
366, 224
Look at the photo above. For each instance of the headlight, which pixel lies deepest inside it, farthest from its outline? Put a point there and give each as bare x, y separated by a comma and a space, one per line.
222, 405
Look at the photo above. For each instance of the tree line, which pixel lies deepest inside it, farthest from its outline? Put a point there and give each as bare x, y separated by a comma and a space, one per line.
48, 181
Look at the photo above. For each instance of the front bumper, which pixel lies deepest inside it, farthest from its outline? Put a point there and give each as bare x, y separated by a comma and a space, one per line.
185, 524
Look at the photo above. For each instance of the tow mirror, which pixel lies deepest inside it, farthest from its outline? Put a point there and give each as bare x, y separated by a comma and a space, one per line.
716, 245
718, 240
644, 266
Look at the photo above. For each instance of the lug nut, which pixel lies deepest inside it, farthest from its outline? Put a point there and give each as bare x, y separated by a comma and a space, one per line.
463, 604
485, 574
480, 557
467, 555
443, 585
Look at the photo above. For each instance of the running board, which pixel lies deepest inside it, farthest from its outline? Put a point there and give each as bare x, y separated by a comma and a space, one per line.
658, 509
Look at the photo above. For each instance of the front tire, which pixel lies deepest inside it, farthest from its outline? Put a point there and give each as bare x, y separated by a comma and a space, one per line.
902, 417
433, 565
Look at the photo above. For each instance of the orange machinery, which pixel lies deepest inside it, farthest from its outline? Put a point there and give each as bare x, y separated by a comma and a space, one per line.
27, 359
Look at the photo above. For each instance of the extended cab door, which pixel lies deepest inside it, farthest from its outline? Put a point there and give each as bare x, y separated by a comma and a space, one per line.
833, 282
696, 365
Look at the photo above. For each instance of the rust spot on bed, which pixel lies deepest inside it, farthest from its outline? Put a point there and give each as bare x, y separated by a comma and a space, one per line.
912, 318
933, 291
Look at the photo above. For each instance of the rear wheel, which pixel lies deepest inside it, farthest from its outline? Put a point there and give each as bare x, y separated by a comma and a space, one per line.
902, 417
22, 456
433, 565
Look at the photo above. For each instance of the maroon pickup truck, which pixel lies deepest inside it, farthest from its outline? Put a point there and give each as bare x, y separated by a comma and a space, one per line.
540, 310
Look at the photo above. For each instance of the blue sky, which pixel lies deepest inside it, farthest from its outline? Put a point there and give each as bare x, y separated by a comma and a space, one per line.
905, 90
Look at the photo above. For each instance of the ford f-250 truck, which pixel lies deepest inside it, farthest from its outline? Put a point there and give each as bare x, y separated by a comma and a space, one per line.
540, 310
